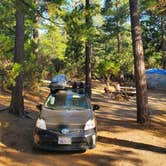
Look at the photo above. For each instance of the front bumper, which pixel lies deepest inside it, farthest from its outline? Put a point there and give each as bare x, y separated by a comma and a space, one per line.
80, 140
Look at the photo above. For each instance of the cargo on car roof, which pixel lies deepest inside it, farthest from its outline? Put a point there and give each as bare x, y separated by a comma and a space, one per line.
58, 82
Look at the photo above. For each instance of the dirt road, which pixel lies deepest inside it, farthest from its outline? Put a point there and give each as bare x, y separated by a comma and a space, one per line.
121, 141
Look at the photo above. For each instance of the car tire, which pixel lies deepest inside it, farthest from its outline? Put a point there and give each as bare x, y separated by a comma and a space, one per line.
35, 148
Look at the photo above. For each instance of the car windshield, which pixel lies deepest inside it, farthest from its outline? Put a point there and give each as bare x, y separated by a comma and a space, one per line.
67, 100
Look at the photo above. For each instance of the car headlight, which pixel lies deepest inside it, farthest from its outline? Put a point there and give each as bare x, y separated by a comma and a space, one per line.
90, 124
41, 124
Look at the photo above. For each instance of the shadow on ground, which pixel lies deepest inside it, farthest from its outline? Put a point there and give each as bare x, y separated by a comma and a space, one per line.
132, 144
113, 117
16, 146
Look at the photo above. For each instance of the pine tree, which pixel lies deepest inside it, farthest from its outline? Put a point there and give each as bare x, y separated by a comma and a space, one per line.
141, 86
88, 52
17, 102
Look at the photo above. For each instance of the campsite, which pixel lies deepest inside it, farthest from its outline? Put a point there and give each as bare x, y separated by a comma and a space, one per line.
82, 83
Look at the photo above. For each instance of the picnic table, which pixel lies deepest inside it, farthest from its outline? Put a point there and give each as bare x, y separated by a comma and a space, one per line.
121, 92
128, 90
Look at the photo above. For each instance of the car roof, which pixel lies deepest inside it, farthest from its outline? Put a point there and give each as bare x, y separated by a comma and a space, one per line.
70, 91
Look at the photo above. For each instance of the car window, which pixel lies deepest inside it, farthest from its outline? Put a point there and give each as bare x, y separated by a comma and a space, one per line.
67, 100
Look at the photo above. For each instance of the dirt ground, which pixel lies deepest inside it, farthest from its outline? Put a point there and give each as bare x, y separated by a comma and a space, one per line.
121, 141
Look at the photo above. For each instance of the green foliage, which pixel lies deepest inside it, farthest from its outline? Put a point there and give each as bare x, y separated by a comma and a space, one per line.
78, 32
6, 29
152, 39
157, 6
53, 43
11, 74
154, 61
107, 68
149, 4
116, 15
63, 33
75, 28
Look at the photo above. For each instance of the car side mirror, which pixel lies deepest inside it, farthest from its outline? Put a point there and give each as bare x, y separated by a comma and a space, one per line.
96, 107
39, 107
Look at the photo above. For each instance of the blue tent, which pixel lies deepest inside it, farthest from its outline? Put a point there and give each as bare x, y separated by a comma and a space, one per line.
156, 71
156, 78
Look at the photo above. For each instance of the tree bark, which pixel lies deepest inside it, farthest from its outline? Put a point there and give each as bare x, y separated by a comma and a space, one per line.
119, 39
141, 86
163, 29
88, 53
119, 36
35, 31
17, 102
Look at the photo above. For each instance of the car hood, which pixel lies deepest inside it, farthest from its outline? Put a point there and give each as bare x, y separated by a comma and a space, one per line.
66, 117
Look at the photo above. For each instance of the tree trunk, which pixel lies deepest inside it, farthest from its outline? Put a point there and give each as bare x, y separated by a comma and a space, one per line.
141, 86
17, 102
119, 39
163, 29
35, 31
119, 36
88, 52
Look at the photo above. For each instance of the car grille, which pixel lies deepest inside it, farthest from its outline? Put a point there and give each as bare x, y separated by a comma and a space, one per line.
71, 131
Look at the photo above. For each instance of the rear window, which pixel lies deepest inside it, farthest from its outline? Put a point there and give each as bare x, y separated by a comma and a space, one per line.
67, 100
